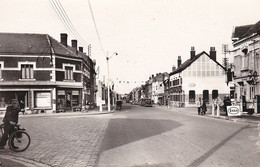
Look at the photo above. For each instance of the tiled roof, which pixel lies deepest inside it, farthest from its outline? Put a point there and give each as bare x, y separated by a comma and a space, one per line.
28, 44
12, 43
246, 30
188, 62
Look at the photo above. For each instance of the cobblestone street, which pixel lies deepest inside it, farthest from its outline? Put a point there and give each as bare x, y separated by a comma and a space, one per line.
63, 140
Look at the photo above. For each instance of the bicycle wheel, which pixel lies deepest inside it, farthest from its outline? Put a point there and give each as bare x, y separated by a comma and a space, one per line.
19, 141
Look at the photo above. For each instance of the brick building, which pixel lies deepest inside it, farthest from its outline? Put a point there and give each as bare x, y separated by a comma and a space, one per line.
45, 74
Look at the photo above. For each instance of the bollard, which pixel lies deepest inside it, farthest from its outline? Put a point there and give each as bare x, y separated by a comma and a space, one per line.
100, 107
213, 109
218, 112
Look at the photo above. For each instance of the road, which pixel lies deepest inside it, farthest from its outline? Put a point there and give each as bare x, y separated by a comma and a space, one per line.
153, 136
136, 137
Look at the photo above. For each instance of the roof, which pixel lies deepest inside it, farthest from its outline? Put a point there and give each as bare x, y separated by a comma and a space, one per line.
246, 30
29, 44
188, 62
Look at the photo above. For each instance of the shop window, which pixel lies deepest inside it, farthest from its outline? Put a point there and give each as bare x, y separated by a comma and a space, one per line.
42, 99
191, 96
206, 95
68, 73
27, 71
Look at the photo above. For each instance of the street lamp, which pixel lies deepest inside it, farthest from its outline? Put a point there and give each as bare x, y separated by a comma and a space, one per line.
108, 84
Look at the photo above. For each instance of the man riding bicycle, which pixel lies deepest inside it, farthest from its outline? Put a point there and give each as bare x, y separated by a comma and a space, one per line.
10, 119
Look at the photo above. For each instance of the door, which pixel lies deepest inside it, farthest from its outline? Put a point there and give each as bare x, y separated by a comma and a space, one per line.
21, 97
244, 103
68, 99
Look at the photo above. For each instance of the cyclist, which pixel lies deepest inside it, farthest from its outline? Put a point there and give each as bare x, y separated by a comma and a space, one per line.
10, 119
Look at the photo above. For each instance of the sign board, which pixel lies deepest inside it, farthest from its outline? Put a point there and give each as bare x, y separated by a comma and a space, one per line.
234, 111
42, 99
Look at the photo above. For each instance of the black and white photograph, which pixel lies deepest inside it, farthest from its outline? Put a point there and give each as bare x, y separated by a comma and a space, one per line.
129, 83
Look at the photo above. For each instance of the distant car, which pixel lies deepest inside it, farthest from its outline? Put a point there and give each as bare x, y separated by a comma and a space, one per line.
146, 102
118, 104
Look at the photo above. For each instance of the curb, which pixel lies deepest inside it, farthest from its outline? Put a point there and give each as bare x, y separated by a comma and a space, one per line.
65, 114
23, 161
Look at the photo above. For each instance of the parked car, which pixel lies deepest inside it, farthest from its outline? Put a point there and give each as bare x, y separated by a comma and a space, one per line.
146, 102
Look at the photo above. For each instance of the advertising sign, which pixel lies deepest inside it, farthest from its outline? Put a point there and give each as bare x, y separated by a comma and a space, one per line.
42, 99
234, 111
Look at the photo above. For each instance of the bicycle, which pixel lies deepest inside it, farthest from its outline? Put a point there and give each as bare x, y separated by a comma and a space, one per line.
19, 140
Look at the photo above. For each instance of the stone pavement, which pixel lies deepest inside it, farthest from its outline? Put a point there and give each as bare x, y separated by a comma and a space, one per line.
61, 139
73, 139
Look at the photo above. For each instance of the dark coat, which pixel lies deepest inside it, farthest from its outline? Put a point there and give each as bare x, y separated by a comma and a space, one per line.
11, 114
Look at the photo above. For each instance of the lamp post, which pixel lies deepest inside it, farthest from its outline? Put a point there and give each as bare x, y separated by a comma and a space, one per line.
108, 84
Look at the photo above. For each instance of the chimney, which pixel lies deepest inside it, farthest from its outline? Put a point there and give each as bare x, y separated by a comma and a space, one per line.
173, 68
179, 61
74, 44
63, 39
81, 49
192, 52
212, 53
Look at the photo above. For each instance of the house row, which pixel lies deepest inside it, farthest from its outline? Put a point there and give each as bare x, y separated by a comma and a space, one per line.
45, 75
199, 76
245, 68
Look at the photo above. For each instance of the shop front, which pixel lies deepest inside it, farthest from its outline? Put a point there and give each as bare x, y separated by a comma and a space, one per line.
7, 95
68, 100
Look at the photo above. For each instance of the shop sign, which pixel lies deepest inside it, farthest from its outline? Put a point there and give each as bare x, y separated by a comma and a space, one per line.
233, 110
42, 99
61, 92
75, 92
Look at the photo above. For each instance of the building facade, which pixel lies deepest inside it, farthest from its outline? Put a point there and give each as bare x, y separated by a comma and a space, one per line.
200, 76
246, 67
44, 74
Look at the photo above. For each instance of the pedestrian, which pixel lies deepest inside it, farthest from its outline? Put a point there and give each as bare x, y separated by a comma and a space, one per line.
10, 119
227, 102
22, 106
204, 106
199, 105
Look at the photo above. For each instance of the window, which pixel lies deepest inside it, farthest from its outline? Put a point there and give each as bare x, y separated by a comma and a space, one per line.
27, 71
214, 94
68, 73
191, 96
206, 95
0, 71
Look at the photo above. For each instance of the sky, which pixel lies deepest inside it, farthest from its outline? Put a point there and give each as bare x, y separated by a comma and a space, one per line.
148, 35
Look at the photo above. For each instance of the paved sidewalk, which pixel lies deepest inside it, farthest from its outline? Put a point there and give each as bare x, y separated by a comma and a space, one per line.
94, 111
255, 118
70, 139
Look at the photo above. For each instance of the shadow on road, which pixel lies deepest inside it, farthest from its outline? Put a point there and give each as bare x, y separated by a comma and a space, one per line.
124, 131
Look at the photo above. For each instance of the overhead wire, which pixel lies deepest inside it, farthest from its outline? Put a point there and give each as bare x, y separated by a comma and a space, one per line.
70, 23
60, 12
95, 25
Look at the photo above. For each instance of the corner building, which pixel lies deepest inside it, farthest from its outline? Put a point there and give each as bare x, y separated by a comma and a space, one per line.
47, 75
